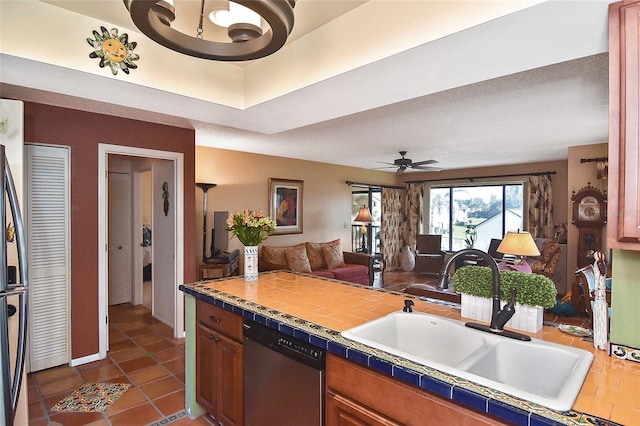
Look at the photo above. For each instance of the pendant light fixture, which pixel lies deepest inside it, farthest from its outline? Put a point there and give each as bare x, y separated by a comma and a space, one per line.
248, 40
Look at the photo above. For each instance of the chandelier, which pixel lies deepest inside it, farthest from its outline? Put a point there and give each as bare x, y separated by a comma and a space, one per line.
247, 37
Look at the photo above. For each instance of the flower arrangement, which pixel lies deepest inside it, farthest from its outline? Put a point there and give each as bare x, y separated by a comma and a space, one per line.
251, 227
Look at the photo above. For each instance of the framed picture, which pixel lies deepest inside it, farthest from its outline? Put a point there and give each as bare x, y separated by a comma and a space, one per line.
285, 205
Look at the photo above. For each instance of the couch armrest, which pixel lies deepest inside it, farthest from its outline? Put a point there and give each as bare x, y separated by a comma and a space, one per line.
360, 259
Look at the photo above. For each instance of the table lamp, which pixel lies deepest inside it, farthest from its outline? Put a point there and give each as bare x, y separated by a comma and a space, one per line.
518, 243
364, 216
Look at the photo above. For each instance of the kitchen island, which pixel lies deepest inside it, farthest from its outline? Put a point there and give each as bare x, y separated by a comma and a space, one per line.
316, 310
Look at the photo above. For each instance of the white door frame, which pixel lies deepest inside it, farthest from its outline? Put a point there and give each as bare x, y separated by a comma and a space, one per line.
103, 300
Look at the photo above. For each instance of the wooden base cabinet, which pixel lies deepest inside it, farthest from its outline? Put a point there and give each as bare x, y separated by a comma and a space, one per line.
219, 369
342, 411
360, 396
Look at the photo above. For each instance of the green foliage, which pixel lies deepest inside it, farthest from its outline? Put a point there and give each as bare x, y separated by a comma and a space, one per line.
533, 289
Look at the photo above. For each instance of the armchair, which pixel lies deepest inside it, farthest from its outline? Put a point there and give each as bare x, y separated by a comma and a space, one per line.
429, 254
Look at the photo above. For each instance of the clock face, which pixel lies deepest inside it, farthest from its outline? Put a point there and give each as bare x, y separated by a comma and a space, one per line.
589, 209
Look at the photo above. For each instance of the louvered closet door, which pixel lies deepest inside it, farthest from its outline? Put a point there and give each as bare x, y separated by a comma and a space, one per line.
47, 218
119, 238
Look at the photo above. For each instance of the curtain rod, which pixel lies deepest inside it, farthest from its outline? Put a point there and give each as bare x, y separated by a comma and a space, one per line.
593, 160
471, 179
374, 186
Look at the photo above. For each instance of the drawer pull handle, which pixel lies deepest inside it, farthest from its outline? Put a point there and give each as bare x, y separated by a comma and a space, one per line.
214, 338
214, 319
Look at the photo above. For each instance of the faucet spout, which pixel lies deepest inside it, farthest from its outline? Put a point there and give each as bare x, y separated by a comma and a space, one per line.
499, 316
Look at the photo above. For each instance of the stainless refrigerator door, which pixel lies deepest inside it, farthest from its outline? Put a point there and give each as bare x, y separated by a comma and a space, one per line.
11, 386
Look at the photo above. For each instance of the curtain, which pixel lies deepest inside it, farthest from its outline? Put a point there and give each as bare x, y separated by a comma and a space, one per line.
413, 213
391, 229
540, 207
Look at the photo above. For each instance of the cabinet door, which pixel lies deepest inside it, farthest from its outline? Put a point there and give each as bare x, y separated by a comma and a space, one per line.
624, 125
206, 376
219, 377
344, 412
230, 383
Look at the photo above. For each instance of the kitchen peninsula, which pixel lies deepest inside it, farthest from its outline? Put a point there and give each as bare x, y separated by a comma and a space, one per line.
316, 310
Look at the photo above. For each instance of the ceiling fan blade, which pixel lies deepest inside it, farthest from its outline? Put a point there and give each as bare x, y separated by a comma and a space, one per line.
384, 162
429, 168
425, 162
400, 170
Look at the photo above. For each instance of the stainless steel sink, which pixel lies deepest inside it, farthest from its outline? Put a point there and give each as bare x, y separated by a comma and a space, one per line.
545, 373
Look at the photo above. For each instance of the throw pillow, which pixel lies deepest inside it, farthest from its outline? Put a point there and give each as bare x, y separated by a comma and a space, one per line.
297, 259
333, 256
314, 252
276, 255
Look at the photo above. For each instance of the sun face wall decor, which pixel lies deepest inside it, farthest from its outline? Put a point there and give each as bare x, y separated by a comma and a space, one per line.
113, 50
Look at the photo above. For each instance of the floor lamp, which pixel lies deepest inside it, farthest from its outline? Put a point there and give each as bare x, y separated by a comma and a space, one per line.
205, 187
364, 216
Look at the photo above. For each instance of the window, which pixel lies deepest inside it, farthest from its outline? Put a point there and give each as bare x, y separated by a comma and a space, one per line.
468, 216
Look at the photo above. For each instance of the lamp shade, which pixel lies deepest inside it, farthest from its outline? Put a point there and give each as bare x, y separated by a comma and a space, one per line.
364, 215
518, 243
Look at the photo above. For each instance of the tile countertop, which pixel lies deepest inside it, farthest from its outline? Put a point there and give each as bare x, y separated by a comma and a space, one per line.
610, 390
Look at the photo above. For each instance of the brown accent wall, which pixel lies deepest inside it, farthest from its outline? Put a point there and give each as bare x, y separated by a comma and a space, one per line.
83, 131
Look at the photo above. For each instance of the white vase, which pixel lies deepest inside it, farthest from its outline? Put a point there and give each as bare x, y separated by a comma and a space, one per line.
526, 318
407, 259
250, 263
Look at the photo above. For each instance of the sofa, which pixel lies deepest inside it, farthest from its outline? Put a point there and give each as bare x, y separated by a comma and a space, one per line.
322, 259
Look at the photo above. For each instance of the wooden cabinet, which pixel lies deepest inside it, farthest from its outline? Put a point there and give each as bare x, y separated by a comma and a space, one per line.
219, 369
623, 230
360, 396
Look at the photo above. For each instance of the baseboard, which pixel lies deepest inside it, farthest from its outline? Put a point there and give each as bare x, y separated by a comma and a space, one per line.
84, 360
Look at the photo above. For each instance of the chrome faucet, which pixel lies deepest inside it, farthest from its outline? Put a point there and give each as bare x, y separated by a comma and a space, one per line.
499, 316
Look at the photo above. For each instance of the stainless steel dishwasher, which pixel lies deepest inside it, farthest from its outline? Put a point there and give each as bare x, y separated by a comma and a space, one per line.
284, 381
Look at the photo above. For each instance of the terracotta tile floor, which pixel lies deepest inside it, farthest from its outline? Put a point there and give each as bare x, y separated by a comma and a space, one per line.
142, 352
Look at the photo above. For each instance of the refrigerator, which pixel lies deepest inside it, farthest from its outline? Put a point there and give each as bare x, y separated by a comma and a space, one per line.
13, 302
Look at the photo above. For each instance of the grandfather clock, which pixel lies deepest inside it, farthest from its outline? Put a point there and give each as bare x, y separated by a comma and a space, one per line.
589, 216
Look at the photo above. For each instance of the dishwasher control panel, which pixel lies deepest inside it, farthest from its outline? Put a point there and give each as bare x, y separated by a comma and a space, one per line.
280, 342
303, 349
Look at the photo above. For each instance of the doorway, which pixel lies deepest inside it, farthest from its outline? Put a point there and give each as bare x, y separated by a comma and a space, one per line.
167, 297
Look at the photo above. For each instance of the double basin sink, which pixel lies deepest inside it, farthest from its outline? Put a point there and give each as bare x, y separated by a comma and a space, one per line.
541, 372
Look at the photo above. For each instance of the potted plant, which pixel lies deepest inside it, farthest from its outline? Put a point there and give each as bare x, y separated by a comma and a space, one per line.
534, 293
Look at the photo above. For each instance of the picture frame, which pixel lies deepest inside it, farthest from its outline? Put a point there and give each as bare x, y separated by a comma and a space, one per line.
285, 205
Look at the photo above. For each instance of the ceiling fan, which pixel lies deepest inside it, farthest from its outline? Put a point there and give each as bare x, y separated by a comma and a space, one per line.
405, 163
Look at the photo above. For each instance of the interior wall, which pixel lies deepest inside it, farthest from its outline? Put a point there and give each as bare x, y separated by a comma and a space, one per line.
83, 131
243, 183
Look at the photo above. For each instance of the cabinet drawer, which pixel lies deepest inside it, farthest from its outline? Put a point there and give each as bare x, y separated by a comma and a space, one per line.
218, 319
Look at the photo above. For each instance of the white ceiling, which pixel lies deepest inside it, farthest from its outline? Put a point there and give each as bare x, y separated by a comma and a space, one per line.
511, 89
